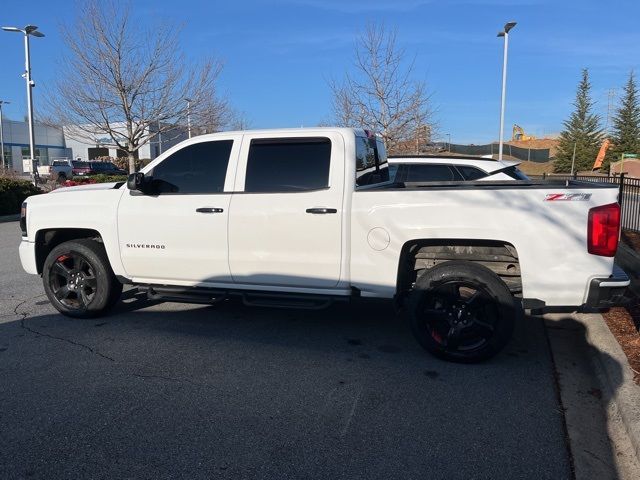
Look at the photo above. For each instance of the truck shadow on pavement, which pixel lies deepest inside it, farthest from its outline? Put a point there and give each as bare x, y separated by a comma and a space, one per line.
235, 392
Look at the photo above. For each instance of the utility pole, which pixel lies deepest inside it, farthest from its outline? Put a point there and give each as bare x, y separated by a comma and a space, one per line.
573, 158
611, 94
188, 100
28, 31
505, 33
4, 165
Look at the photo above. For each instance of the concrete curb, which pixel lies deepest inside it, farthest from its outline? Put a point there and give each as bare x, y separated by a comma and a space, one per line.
9, 218
615, 375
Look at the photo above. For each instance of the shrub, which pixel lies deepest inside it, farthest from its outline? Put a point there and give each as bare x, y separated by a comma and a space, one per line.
123, 163
12, 194
100, 178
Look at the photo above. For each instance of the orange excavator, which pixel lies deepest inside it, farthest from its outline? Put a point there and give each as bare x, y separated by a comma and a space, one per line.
601, 154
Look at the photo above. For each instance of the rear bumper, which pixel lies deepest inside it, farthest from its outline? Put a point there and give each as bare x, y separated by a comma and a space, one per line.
602, 293
608, 292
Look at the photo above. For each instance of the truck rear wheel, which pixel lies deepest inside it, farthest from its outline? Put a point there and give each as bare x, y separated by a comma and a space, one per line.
78, 279
462, 312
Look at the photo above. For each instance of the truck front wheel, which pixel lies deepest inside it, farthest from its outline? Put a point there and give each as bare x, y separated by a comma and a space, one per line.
462, 312
78, 279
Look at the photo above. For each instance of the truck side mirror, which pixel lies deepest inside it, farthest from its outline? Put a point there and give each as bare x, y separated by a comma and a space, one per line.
136, 182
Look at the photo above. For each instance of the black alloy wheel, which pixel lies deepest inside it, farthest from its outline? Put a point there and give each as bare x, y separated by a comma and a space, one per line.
78, 279
462, 312
73, 281
459, 315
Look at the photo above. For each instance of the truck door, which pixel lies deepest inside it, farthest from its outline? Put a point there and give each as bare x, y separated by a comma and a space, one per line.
178, 231
285, 228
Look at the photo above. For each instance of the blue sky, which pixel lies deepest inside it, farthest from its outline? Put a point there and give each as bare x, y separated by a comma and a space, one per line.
279, 54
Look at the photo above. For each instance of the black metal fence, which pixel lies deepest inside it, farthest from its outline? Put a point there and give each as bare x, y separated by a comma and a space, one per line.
629, 196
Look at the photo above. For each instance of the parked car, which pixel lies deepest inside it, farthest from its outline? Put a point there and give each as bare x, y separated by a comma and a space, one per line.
304, 217
106, 168
436, 168
81, 167
60, 169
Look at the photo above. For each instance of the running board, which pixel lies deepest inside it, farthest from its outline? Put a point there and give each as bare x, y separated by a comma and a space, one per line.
184, 294
205, 295
306, 302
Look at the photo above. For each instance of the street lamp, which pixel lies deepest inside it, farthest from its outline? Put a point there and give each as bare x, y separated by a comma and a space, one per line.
188, 100
505, 33
2, 102
448, 141
29, 30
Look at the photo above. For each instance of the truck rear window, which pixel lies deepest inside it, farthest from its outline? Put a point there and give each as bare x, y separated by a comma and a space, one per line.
371, 161
288, 165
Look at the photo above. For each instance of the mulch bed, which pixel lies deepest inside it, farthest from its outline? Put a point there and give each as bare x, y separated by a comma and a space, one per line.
631, 239
624, 322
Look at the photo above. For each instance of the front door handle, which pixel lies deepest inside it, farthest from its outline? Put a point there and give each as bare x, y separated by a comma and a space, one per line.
321, 210
209, 210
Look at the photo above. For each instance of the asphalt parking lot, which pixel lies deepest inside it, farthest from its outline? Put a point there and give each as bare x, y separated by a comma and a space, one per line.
184, 391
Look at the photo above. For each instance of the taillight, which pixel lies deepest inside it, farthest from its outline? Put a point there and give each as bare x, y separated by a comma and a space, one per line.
604, 230
23, 219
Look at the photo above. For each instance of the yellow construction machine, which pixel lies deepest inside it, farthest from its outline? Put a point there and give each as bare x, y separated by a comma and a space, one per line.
518, 134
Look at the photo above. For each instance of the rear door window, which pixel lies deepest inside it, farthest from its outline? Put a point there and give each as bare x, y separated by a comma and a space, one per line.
288, 165
429, 173
470, 173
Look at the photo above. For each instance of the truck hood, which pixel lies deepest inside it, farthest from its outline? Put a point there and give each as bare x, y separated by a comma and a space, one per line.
90, 186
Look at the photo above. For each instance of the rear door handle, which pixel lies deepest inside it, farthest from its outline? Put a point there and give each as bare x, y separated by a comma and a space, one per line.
209, 210
321, 210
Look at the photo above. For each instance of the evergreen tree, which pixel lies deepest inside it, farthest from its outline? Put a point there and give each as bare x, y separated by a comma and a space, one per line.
582, 129
626, 125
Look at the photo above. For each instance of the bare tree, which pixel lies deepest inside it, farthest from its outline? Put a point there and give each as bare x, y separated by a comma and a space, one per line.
380, 92
128, 83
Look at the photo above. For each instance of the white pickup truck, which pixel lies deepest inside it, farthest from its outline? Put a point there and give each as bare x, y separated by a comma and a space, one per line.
61, 169
302, 217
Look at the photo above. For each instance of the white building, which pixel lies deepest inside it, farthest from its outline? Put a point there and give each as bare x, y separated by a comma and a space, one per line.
88, 146
49, 144
53, 143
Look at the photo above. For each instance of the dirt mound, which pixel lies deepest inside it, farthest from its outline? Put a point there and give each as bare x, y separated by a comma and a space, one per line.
535, 168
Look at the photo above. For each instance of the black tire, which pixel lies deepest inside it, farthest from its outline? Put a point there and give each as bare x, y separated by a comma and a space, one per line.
62, 177
462, 312
78, 279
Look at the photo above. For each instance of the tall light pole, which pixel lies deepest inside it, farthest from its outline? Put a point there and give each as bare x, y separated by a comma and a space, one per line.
27, 32
188, 100
2, 102
505, 33
448, 142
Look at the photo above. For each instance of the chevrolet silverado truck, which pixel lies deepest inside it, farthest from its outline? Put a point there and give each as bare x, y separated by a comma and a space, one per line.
60, 169
303, 217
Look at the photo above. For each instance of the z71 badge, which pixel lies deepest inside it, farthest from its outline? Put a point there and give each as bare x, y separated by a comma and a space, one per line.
567, 197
